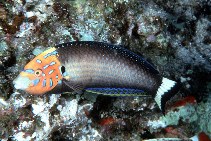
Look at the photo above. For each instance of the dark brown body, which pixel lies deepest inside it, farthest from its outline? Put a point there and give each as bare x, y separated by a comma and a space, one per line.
94, 64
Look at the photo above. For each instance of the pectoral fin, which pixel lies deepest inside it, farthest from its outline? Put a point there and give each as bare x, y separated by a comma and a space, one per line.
76, 87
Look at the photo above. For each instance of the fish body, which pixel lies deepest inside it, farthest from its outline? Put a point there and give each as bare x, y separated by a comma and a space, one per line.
101, 65
97, 67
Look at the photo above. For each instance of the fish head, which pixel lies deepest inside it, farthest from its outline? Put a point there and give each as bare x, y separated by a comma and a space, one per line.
41, 74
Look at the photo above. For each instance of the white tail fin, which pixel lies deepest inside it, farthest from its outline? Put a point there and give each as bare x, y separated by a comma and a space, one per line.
164, 89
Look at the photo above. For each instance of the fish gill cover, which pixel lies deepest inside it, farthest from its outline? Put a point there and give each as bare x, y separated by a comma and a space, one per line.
174, 35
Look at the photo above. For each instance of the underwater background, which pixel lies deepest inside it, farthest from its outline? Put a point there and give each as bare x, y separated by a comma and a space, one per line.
174, 35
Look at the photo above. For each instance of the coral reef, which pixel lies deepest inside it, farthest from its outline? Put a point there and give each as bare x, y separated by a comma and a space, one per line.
175, 35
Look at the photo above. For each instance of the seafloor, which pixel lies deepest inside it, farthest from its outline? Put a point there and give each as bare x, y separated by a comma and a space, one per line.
174, 35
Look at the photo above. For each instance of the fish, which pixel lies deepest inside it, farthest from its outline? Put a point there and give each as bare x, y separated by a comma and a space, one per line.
97, 67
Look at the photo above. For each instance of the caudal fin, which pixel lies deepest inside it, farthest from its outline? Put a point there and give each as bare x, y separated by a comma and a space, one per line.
165, 92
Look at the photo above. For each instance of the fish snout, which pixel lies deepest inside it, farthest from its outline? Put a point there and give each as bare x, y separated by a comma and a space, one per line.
21, 82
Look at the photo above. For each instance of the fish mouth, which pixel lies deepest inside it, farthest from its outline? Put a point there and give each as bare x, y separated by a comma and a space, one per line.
21, 82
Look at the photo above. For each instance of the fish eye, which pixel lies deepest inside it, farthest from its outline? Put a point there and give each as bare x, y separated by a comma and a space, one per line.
38, 73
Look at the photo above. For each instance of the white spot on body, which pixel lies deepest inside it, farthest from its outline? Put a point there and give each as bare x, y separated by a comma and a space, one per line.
38, 61
51, 71
52, 63
46, 66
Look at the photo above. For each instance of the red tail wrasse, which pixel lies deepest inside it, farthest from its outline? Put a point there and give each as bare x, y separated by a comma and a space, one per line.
96, 67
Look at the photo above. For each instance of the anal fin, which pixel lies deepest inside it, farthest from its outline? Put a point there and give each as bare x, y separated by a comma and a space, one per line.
117, 92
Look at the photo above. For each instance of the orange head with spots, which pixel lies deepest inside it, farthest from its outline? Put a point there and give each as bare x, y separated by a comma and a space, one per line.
41, 74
